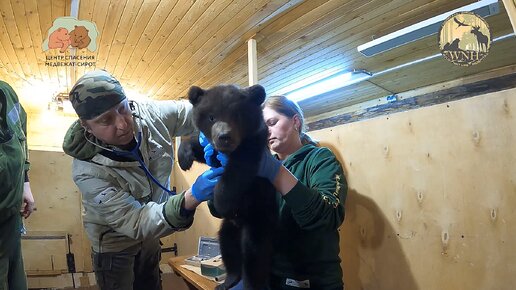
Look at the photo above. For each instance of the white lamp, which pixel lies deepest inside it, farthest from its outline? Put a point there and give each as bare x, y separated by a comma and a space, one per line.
333, 82
424, 28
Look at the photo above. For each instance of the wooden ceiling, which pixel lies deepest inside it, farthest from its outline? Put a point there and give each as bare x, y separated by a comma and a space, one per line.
159, 48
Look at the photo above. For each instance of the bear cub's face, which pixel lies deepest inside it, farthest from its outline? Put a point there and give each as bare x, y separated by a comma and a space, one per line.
227, 114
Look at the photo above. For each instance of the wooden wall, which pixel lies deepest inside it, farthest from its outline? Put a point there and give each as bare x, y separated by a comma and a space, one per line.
430, 201
58, 215
429, 206
46, 129
204, 223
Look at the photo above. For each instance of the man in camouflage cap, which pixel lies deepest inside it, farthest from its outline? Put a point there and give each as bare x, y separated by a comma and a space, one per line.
95, 93
125, 181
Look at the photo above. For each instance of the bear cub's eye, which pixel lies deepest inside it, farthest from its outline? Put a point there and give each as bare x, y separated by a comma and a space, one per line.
211, 118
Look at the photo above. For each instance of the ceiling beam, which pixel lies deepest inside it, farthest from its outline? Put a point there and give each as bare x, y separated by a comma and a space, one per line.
74, 12
510, 7
252, 62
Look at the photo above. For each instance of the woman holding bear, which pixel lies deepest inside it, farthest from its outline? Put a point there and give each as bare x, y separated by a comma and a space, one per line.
313, 191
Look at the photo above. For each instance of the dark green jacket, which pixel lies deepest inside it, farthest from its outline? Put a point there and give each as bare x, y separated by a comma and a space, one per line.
307, 246
13, 152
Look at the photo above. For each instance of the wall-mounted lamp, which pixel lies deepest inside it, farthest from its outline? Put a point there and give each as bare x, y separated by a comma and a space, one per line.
333, 82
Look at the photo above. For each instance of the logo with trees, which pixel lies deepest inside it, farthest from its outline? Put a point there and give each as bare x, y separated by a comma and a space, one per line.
464, 38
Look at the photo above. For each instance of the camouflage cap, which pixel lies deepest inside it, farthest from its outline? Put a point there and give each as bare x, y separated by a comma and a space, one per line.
95, 93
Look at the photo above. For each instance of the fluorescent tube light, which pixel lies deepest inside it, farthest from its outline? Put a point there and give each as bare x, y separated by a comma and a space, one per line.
307, 81
328, 84
425, 28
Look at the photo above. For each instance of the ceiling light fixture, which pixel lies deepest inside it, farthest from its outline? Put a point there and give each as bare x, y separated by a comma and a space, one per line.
333, 82
425, 28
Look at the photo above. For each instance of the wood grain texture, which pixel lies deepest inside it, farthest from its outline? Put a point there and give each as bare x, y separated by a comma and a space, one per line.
430, 199
160, 48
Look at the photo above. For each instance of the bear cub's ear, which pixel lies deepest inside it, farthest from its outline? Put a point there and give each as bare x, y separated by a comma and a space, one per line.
257, 94
194, 94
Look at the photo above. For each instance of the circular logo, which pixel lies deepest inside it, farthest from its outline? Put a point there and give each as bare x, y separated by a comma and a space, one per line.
464, 38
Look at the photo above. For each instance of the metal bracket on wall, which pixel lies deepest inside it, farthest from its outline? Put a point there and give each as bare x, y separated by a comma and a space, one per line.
170, 249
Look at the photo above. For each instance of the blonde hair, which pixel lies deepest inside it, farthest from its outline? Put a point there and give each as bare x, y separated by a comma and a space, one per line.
289, 109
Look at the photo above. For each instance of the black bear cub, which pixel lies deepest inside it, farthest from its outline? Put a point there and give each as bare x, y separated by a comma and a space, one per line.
232, 120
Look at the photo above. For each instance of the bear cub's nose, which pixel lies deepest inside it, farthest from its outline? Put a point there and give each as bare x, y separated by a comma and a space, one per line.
225, 138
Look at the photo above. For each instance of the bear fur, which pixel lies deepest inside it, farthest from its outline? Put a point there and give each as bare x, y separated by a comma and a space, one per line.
79, 37
59, 39
232, 120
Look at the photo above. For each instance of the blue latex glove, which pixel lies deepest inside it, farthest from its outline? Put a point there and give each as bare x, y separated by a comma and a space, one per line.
223, 158
209, 151
203, 140
269, 166
202, 189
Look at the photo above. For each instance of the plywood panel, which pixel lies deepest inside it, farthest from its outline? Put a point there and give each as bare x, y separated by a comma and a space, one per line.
204, 223
58, 213
45, 254
46, 129
430, 198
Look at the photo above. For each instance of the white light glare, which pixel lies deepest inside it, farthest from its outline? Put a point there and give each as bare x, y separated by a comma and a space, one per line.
327, 85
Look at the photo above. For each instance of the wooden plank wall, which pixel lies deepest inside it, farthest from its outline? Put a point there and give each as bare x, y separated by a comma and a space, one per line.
204, 223
46, 129
431, 193
58, 214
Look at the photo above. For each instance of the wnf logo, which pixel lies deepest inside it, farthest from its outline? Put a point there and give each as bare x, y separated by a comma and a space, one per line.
464, 38
462, 57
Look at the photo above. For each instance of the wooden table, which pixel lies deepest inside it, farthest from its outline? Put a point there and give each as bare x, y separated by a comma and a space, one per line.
193, 280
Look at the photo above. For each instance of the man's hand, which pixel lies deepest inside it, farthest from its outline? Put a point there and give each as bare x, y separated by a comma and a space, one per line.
202, 189
27, 206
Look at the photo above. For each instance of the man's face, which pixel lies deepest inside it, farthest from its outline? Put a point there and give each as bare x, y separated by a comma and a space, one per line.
114, 127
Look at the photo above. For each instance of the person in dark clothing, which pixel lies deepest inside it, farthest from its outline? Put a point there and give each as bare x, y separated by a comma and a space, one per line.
16, 200
312, 191
311, 212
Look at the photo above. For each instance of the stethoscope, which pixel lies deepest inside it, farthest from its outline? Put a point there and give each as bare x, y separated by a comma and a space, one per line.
135, 152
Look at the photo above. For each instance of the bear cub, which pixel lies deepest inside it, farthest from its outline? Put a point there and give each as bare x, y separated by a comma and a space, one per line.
231, 118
